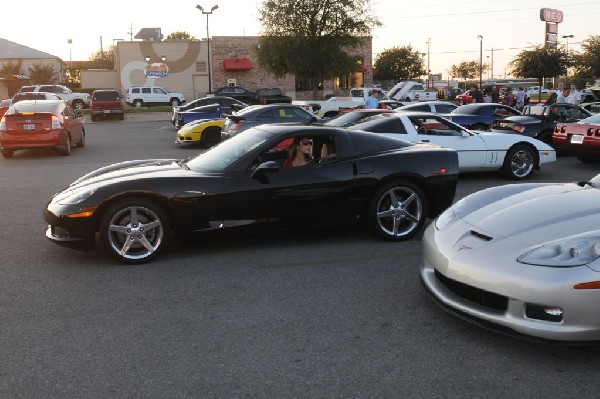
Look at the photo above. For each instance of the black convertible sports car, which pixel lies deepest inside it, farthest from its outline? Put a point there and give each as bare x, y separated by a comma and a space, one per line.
242, 183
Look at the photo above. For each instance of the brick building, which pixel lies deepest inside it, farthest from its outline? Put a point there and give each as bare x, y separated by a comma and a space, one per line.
184, 68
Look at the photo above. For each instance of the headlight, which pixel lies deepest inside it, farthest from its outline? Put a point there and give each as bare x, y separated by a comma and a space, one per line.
574, 251
450, 214
70, 197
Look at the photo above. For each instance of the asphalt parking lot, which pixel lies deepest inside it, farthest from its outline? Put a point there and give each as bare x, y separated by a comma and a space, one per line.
328, 313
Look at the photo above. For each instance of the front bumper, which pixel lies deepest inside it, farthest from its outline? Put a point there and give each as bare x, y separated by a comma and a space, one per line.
481, 281
78, 233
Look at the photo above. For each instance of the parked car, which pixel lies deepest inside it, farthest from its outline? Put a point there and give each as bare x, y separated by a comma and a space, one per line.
464, 98
74, 99
271, 95
203, 132
106, 103
140, 96
539, 121
580, 138
241, 184
255, 115
355, 116
4, 105
226, 106
40, 124
437, 107
237, 92
516, 157
522, 259
480, 116
34, 96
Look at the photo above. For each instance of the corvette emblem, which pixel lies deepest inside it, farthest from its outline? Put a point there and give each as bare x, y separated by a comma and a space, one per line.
464, 248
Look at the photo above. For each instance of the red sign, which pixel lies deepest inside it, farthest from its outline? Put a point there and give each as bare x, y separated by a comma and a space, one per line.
551, 15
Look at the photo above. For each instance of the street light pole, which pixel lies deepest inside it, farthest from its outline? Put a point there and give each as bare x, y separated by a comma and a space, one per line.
567, 37
480, 59
428, 70
207, 13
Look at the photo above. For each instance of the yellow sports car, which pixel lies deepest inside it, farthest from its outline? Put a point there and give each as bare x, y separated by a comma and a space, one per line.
204, 132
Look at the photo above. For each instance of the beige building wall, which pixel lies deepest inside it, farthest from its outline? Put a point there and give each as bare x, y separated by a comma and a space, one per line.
187, 64
100, 79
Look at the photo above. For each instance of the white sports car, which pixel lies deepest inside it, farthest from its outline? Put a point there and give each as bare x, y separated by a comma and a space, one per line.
515, 155
523, 259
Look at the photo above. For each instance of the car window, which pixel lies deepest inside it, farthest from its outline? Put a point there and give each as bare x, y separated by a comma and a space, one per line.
158, 90
435, 126
444, 108
382, 124
420, 107
105, 96
136, 90
146, 90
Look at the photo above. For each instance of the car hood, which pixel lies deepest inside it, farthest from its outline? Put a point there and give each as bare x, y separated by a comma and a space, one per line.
132, 171
540, 214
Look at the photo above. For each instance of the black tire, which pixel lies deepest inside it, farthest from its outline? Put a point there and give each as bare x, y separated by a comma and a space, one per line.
136, 219
519, 163
138, 103
211, 136
7, 153
78, 104
94, 118
397, 211
82, 140
174, 102
66, 148
588, 159
121, 116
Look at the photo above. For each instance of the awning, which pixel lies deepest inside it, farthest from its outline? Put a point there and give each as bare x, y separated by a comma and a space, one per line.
237, 64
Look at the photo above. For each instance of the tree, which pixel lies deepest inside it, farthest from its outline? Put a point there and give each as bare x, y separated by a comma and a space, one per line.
399, 63
179, 35
103, 59
310, 38
465, 70
588, 62
42, 74
540, 62
10, 69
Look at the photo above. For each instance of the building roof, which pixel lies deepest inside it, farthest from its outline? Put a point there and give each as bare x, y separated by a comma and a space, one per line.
13, 51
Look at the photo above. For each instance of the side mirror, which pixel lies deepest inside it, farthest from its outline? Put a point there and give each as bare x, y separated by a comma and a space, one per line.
261, 170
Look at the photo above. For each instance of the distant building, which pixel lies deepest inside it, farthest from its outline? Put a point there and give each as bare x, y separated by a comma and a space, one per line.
26, 57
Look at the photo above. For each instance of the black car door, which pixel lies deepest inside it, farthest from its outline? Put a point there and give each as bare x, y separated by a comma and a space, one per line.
315, 194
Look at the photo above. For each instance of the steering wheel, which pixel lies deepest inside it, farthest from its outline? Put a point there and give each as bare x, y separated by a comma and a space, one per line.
422, 130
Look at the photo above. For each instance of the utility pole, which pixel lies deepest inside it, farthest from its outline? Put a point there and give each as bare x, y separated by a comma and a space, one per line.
428, 70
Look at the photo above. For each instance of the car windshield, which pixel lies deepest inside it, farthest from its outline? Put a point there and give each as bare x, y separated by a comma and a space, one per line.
218, 158
591, 119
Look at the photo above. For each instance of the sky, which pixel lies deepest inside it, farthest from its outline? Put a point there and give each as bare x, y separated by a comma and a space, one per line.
446, 31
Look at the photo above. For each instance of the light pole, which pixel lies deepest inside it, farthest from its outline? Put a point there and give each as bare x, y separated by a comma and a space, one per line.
207, 13
567, 37
480, 59
428, 70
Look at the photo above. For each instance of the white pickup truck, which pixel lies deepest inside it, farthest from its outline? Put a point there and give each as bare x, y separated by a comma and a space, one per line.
409, 90
331, 107
74, 99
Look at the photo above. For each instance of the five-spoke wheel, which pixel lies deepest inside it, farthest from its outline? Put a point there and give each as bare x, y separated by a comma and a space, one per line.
519, 163
397, 210
133, 230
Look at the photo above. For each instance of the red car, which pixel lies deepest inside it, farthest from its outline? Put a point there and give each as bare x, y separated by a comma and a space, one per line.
581, 138
40, 124
4, 105
464, 98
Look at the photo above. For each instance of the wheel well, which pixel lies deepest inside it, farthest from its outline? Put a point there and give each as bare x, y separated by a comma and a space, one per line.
532, 148
160, 201
414, 179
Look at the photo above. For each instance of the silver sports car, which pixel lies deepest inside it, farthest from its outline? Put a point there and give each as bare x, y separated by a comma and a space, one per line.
523, 259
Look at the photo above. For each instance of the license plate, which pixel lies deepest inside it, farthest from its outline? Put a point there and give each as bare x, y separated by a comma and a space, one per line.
107, 111
29, 126
576, 139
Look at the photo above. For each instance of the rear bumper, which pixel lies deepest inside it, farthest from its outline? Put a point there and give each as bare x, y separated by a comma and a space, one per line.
18, 140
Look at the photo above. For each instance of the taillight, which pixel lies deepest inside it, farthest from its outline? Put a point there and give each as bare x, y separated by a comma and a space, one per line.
236, 125
519, 128
3, 123
55, 122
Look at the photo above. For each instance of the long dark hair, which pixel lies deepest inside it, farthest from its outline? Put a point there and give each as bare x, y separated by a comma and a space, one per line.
293, 151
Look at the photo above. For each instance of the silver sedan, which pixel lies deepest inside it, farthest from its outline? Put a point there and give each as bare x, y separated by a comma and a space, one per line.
523, 259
